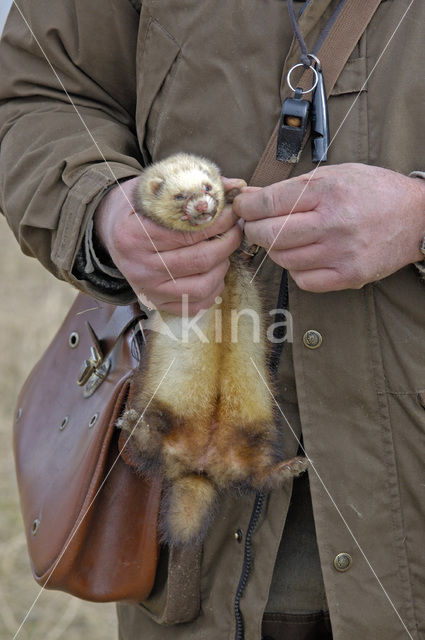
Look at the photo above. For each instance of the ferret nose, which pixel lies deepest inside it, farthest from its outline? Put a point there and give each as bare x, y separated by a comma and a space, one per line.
201, 206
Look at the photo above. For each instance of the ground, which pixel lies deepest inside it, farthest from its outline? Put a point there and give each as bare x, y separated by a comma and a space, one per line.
32, 307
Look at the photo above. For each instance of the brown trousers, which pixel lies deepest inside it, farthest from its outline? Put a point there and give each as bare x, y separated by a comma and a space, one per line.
284, 626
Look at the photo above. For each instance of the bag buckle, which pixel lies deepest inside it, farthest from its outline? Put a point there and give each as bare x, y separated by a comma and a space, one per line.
94, 369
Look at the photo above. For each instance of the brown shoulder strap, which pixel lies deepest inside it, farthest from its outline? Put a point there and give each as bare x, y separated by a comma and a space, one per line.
333, 54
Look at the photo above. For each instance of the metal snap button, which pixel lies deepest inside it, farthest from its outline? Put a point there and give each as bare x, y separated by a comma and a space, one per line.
238, 535
312, 339
342, 562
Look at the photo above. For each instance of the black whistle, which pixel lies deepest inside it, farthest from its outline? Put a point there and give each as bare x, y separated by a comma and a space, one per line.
319, 122
292, 127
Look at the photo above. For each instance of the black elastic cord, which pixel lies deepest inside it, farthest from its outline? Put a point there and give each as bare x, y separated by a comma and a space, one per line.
305, 58
297, 32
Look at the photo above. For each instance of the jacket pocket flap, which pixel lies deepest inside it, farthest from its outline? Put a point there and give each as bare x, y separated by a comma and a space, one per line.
352, 78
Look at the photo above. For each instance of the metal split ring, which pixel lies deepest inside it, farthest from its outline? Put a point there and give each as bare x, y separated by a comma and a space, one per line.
316, 76
317, 61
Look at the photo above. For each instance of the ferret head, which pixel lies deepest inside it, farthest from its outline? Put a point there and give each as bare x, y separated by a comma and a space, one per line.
183, 192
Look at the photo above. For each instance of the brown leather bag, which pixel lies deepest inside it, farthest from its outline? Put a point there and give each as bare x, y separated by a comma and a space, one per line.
90, 520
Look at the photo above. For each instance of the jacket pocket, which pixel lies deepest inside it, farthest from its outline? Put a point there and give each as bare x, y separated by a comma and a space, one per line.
348, 113
176, 595
156, 61
353, 77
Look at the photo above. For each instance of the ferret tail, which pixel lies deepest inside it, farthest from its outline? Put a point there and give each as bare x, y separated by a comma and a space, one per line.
188, 507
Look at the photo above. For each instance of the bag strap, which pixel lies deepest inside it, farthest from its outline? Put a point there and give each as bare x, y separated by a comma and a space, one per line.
333, 54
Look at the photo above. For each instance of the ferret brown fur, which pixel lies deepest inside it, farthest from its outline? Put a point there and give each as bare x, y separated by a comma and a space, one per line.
209, 425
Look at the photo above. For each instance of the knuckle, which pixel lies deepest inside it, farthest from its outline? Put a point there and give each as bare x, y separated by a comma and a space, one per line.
190, 237
287, 261
196, 291
270, 201
136, 275
201, 262
280, 258
300, 280
233, 238
275, 230
354, 274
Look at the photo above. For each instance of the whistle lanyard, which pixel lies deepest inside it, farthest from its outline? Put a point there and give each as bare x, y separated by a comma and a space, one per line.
296, 112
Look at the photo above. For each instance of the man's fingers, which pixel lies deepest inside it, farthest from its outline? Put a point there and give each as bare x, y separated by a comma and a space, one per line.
197, 287
325, 280
233, 183
192, 308
285, 232
199, 258
290, 196
312, 256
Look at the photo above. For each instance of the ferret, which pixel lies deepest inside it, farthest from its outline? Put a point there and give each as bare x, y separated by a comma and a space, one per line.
208, 426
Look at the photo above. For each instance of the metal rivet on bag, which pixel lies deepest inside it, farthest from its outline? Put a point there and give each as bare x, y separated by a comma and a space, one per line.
35, 526
64, 423
19, 413
74, 339
93, 420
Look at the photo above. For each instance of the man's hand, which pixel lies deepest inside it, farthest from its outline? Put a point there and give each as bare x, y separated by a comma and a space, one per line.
351, 224
161, 265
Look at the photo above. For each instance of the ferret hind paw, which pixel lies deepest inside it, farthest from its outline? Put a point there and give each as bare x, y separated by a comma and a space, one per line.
187, 510
128, 420
285, 470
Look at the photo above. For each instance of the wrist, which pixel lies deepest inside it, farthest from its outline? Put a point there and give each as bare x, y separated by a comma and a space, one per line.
102, 218
116, 202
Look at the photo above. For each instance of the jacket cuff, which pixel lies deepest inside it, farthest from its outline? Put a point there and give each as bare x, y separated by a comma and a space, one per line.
77, 211
419, 265
97, 269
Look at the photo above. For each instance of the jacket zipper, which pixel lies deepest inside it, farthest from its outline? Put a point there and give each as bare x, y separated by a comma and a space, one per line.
247, 562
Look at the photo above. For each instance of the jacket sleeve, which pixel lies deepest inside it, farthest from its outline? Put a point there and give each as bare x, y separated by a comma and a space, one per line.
67, 129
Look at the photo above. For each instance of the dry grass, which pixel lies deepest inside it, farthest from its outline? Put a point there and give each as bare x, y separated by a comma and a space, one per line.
33, 306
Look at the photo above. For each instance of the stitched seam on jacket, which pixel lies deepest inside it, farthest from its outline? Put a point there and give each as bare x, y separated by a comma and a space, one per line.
400, 551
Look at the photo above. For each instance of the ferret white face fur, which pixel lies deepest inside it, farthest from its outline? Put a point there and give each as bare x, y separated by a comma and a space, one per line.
183, 192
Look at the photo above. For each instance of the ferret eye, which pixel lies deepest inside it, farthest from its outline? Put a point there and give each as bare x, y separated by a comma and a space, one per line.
180, 196
207, 188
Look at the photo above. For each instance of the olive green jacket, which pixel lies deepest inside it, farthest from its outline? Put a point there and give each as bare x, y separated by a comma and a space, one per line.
208, 77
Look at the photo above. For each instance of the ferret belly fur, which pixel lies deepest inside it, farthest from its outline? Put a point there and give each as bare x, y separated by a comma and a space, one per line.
209, 425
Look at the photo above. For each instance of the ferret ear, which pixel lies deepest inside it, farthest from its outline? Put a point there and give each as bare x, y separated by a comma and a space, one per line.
155, 185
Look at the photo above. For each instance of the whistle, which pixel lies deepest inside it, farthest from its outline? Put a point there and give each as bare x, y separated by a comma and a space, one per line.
319, 122
294, 118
